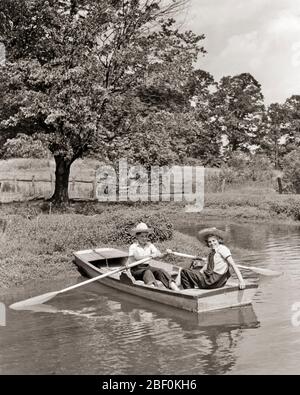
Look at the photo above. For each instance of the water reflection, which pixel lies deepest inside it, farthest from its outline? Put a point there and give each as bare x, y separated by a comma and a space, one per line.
122, 334
207, 342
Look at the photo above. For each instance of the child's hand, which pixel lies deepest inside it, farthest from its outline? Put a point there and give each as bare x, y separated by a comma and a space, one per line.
196, 263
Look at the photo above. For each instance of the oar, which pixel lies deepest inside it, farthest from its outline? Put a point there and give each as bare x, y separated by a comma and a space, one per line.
258, 270
47, 296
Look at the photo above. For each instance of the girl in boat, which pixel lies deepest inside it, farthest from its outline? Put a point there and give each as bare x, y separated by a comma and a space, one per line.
143, 248
215, 273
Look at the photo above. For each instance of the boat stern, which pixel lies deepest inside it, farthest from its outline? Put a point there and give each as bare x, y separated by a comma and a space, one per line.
226, 297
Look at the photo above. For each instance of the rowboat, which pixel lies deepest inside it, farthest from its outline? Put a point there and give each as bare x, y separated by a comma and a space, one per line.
92, 263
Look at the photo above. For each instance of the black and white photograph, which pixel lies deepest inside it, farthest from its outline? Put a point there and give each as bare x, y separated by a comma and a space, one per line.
149, 190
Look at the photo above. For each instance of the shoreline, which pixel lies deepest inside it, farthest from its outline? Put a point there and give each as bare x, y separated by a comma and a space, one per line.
214, 208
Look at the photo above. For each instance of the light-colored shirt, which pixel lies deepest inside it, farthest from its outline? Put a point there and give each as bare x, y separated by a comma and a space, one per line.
220, 263
137, 252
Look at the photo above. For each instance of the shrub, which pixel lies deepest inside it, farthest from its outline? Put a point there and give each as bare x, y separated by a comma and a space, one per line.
122, 226
289, 208
291, 171
243, 167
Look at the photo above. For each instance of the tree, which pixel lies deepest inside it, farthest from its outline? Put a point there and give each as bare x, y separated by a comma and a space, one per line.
205, 139
292, 110
274, 132
71, 63
281, 130
291, 170
158, 139
166, 129
239, 107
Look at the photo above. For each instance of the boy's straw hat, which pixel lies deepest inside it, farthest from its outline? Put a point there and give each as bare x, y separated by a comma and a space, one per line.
141, 228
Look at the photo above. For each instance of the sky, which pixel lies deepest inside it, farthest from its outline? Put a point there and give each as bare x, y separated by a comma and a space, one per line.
261, 37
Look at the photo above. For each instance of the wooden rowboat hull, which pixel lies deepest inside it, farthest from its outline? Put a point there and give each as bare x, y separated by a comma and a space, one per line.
91, 263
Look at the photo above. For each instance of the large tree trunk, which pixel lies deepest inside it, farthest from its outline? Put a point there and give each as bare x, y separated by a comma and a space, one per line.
62, 173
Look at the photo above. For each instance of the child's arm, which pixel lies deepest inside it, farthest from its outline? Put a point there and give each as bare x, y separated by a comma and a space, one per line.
242, 284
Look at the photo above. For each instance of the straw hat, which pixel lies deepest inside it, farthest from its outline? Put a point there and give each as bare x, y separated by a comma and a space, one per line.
205, 233
141, 228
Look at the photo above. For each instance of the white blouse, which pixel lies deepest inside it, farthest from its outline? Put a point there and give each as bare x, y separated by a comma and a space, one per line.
220, 263
138, 252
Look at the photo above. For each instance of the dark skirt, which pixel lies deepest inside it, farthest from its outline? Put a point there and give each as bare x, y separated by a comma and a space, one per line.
193, 278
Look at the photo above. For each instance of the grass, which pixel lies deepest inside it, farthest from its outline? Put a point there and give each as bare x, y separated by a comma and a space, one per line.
261, 205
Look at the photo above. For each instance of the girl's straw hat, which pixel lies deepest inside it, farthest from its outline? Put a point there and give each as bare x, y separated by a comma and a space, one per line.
205, 233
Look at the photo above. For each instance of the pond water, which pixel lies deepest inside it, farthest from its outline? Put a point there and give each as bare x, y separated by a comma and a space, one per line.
96, 330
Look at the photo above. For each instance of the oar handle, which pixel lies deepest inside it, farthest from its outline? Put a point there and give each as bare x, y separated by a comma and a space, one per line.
258, 270
181, 254
195, 257
106, 274
246, 267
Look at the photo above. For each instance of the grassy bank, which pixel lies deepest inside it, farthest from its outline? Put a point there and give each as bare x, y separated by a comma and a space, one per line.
39, 245
257, 205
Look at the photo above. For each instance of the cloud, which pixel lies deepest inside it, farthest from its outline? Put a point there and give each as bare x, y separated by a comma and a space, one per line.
260, 36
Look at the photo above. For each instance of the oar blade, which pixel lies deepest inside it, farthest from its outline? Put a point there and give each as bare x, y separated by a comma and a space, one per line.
266, 272
36, 300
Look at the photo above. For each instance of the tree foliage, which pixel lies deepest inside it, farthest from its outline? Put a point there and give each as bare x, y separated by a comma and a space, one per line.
291, 170
205, 141
275, 129
281, 130
292, 112
239, 107
72, 63
23, 146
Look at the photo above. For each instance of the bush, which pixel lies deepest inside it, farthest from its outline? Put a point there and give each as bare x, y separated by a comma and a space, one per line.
289, 208
122, 226
291, 171
243, 167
